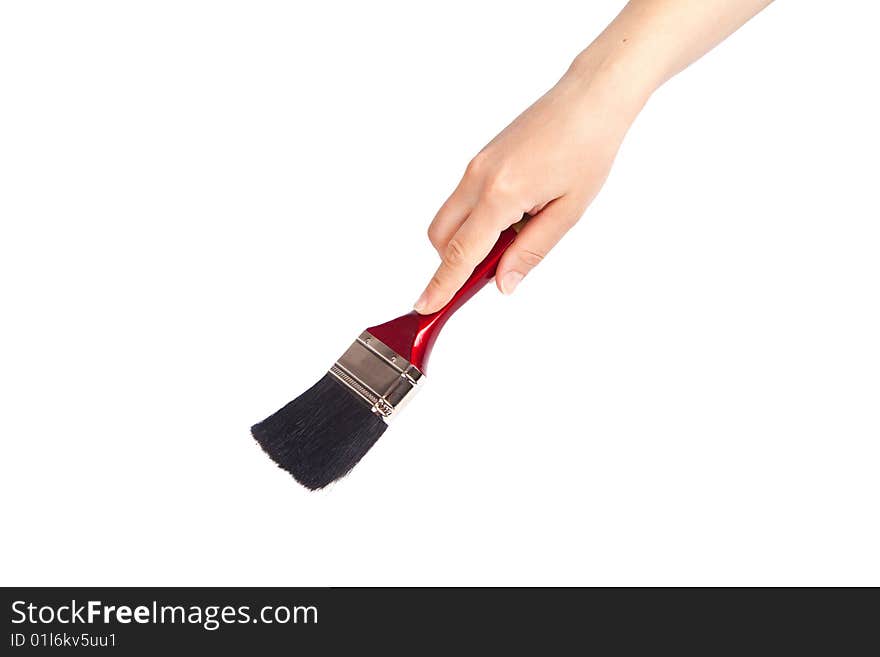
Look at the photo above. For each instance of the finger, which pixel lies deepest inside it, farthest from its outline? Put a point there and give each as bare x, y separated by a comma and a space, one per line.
463, 252
451, 215
535, 240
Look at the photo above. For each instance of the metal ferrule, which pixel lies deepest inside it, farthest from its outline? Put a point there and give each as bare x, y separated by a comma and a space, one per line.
385, 380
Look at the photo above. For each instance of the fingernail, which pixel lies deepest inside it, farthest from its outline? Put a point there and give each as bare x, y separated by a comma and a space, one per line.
509, 281
422, 303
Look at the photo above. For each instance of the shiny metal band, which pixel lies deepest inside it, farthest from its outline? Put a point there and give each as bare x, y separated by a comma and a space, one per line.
382, 378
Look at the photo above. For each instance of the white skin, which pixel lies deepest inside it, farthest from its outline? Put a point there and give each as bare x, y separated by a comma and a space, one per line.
554, 158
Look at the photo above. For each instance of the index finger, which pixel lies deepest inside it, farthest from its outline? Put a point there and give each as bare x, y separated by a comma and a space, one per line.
466, 248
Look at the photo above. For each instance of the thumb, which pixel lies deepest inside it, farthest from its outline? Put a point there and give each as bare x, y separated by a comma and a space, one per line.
535, 240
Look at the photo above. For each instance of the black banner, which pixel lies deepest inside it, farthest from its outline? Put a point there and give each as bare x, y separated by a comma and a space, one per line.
291, 620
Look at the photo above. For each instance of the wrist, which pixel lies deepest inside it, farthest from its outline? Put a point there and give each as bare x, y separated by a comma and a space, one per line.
614, 75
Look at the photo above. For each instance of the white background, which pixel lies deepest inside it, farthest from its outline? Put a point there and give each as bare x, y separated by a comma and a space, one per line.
203, 203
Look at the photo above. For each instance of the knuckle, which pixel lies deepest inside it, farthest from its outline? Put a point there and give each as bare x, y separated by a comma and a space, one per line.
477, 167
530, 257
454, 255
437, 282
434, 235
500, 184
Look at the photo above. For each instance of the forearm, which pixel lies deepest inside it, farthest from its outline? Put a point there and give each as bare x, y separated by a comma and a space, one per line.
652, 40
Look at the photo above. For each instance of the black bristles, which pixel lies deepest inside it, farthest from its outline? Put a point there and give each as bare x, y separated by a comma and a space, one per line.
320, 435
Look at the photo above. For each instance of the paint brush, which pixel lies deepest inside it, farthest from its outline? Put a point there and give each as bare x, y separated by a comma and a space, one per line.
322, 434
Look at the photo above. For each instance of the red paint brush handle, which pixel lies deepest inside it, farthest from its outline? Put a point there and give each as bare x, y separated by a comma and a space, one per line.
413, 335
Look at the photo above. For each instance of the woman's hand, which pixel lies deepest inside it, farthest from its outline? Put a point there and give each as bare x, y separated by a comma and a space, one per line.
553, 159
550, 162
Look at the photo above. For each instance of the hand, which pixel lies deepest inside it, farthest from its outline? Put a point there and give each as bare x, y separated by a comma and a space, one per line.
550, 162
